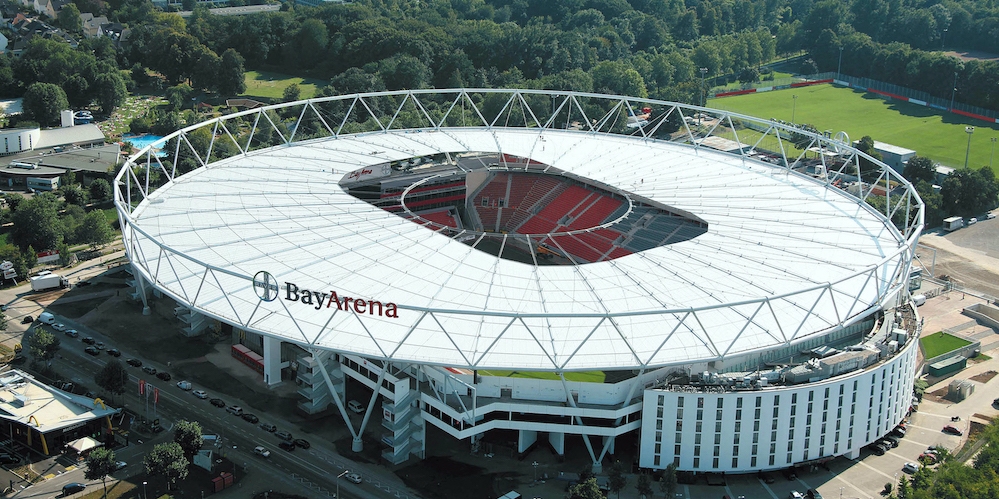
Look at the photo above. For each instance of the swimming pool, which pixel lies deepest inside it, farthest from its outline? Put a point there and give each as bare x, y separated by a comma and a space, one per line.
140, 141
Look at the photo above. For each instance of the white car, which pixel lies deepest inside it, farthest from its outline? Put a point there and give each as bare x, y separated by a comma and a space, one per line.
262, 452
910, 467
796, 495
119, 465
353, 477
184, 385
201, 394
59, 327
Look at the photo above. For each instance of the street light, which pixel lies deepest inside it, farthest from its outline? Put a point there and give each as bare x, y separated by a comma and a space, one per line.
794, 105
338, 482
840, 65
535, 464
993, 152
944, 42
703, 99
970, 130
953, 93
144, 495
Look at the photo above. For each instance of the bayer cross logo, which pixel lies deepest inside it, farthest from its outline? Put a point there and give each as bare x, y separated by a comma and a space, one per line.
265, 286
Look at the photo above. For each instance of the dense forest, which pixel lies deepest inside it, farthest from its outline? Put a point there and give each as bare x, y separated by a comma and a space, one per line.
640, 47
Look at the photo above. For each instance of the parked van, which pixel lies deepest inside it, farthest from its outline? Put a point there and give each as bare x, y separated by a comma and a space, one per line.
918, 300
46, 318
355, 406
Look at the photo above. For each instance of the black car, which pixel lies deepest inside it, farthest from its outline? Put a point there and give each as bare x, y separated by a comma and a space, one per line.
283, 435
217, 402
288, 446
134, 362
88, 340
163, 375
813, 494
6, 458
149, 370
72, 488
113, 352
301, 442
27, 319
250, 418
92, 351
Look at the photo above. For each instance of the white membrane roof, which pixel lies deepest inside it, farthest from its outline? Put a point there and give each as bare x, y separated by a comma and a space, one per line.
784, 257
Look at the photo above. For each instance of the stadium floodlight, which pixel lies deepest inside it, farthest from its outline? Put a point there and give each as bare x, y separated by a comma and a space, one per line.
969, 130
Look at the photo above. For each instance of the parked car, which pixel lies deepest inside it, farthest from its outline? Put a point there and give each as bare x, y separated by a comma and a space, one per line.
72, 333
355, 406
89, 340
91, 351
217, 402
250, 418
99, 345
910, 468
59, 326
262, 452
877, 449
149, 370
353, 477
27, 319
288, 446
235, 410
894, 439
790, 474
813, 494
766, 477
134, 362
927, 458
953, 430
113, 352
268, 427
284, 435
163, 375
899, 430
303, 443
201, 394
184, 385
796, 495
119, 465
72, 488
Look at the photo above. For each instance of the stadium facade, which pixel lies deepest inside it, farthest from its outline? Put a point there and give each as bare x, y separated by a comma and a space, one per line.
733, 291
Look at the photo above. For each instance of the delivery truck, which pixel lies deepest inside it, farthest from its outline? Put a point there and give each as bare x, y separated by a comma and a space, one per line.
953, 223
48, 281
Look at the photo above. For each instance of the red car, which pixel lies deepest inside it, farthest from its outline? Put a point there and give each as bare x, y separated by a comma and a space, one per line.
953, 430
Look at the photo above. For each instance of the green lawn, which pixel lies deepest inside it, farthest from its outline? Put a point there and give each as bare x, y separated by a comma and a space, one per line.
584, 376
940, 343
932, 133
271, 85
735, 85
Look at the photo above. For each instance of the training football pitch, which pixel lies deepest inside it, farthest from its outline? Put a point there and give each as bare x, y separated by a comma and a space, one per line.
932, 133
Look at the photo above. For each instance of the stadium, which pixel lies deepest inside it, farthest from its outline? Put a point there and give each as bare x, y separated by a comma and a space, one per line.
559, 266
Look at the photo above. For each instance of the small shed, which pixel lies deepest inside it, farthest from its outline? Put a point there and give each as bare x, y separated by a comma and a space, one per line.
960, 389
947, 366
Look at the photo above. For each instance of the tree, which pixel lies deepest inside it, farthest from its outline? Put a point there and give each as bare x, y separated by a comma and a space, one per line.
585, 489
644, 485
43, 102
95, 230
112, 378
291, 93
667, 484
100, 190
919, 168
187, 434
42, 344
616, 77
75, 194
617, 479
36, 223
231, 79
101, 462
69, 18
167, 459
111, 91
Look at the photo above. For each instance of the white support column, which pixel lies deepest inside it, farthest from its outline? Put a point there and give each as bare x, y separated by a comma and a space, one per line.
141, 282
557, 441
608, 444
525, 439
272, 360
357, 445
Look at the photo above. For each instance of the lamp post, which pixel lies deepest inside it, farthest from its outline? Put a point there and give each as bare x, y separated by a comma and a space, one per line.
338, 482
839, 66
944, 42
794, 105
969, 130
703, 98
953, 92
144, 495
993, 152
535, 464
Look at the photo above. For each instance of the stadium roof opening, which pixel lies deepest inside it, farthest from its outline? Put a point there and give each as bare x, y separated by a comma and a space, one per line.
520, 209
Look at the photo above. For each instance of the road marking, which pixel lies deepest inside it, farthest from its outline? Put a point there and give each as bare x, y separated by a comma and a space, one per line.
872, 468
769, 491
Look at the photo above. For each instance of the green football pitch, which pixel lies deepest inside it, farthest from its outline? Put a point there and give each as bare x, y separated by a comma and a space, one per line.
937, 135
